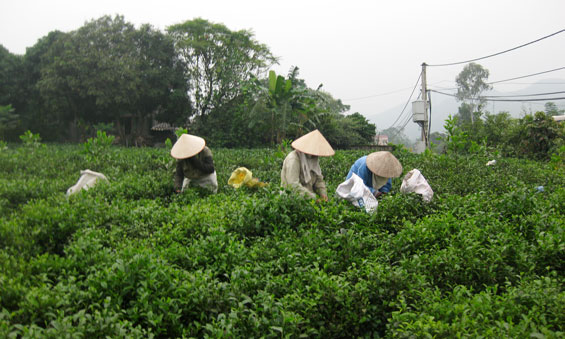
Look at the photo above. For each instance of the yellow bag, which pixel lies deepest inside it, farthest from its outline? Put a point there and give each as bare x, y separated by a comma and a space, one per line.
243, 176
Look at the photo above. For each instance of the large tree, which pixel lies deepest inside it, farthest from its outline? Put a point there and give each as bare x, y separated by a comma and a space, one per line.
551, 109
108, 71
217, 61
10, 64
471, 83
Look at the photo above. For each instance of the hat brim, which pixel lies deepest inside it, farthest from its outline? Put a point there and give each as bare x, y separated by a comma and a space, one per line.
313, 143
187, 146
384, 164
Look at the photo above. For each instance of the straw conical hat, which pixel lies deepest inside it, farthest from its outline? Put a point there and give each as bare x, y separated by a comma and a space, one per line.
187, 146
313, 143
384, 164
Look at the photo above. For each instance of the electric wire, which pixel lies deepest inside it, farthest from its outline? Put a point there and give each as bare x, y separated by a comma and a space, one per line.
377, 95
499, 53
510, 100
526, 76
408, 101
521, 95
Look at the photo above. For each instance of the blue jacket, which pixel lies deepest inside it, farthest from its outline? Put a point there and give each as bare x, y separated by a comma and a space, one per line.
360, 168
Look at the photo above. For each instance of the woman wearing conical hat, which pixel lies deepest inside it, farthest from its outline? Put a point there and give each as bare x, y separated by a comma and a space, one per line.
301, 170
194, 164
376, 169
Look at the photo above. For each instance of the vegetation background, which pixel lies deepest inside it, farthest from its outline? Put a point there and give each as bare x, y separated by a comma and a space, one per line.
131, 258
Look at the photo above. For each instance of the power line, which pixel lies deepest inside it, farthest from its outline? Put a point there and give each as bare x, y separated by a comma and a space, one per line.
510, 100
495, 54
521, 95
407, 102
527, 100
377, 95
526, 76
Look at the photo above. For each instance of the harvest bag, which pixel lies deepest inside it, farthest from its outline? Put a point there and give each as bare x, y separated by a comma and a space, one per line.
355, 191
87, 179
415, 182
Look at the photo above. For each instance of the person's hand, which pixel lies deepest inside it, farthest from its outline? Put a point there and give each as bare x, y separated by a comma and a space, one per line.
322, 198
377, 194
177, 191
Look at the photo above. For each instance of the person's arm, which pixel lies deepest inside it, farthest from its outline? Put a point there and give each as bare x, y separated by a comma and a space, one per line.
292, 176
320, 187
386, 188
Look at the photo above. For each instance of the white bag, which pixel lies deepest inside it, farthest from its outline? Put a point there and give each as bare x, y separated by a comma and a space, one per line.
355, 191
415, 182
87, 179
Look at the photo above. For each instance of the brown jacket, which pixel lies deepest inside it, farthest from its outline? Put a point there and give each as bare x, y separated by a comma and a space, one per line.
194, 167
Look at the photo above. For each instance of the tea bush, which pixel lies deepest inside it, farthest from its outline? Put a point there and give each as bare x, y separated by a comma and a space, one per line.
130, 258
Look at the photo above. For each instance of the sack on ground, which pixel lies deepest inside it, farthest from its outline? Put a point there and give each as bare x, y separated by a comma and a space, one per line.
414, 182
242, 176
355, 191
87, 179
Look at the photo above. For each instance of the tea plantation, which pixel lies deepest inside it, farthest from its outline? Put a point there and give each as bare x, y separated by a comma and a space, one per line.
485, 258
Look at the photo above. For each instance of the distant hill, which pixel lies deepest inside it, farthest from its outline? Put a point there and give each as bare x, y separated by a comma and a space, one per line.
442, 106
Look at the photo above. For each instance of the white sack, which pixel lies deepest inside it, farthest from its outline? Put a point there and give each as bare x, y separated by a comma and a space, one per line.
490, 163
414, 182
87, 179
355, 191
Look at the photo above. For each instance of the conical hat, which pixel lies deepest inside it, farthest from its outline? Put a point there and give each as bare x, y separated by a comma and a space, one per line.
313, 143
384, 164
187, 146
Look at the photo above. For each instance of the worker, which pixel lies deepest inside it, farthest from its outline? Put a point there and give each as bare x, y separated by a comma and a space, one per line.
301, 169
194, 164
376, 169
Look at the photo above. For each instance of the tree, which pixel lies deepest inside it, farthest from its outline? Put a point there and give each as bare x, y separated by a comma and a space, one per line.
107, 71
396, 136
10, 66
8, 120
217, 61
471, 84
552, 110
536, 136
33, 109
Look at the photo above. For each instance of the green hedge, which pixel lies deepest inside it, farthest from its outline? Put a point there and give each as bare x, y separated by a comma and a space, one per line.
132, 259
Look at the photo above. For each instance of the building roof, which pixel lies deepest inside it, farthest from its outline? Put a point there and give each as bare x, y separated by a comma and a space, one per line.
163, 126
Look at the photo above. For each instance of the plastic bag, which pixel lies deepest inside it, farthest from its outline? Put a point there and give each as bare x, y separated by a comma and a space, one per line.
355, 191
87, 179
415, 182
242, 176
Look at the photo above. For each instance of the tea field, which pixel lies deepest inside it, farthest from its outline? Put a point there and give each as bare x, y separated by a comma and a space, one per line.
129, 258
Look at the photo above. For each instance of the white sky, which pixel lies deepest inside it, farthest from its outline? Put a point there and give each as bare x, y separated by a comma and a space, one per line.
359, 50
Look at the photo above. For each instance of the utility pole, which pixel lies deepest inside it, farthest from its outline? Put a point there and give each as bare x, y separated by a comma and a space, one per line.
425, 136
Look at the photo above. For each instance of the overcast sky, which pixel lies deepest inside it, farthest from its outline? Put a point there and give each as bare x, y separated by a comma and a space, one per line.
366, 53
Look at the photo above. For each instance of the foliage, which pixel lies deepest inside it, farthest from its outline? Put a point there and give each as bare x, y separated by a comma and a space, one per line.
30, 139
396, 136
216, 61
552, 110
108, 71
132, 259
457, 140
471, 83
537, 136
96, 149
8, 120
